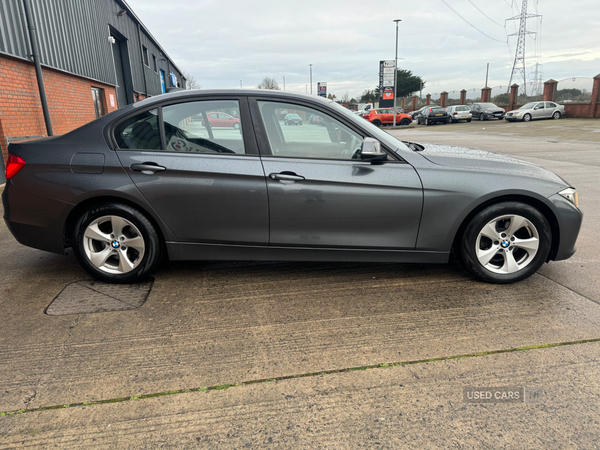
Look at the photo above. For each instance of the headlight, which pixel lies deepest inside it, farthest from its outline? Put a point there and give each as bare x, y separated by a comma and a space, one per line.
571, 195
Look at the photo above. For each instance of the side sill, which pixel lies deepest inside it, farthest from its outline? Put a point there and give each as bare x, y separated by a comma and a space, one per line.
179, 251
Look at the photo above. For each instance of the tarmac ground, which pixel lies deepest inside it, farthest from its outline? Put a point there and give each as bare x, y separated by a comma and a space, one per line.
304, 355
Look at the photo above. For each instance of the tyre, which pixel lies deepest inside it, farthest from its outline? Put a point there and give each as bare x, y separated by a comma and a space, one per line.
556, 115
427, 122
526, 117
468, 120
236, 125
116, 243
505, 243
377, 123
482, 116
405, 122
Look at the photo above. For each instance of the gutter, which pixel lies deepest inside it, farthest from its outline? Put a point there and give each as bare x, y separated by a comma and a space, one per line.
38, 68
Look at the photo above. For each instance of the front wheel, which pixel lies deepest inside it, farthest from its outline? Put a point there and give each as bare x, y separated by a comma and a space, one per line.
505, 243
556, 115
482, 116
236, 125
405, 122
115, 243
526, 117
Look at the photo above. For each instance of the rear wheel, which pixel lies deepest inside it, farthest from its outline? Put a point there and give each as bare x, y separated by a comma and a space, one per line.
427, 122
556, 115
116, 243
377, 123
236, 125
505, 243
468, 120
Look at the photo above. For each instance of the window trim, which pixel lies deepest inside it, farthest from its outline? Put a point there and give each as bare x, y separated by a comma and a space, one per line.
155, 63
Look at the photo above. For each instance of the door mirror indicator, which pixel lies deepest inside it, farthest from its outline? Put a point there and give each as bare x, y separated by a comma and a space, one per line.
371, 150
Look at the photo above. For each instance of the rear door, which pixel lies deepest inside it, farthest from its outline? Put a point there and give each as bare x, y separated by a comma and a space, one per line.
206, 182
322, 195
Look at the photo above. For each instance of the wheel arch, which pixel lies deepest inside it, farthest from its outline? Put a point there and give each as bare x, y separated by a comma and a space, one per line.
538, 204
84, 205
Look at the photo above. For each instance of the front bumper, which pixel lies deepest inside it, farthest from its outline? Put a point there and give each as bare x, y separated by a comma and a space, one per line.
569, 223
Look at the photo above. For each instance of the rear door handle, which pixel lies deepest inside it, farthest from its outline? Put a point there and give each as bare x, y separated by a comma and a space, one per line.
147, 167
286, 176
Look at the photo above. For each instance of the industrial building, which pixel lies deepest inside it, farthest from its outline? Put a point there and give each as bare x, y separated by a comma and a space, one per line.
94, 56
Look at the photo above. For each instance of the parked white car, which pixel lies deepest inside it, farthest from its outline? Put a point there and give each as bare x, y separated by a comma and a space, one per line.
536, 110
459, 112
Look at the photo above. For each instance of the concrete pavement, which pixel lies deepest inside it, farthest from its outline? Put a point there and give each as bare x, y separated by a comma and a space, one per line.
277, 326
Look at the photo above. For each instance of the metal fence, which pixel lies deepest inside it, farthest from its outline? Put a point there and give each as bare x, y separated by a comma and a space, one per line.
572, 90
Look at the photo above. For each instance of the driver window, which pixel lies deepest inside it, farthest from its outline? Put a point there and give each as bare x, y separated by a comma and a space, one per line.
300, 132
204, 127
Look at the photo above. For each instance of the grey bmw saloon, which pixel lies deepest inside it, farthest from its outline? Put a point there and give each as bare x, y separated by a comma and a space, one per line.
158, 179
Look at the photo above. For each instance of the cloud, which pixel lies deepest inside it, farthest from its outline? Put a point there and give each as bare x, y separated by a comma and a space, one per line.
221, 43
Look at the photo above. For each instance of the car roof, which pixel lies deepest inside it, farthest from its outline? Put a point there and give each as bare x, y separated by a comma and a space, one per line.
197, 93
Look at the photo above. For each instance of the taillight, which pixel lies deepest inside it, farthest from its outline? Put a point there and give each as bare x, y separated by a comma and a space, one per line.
13, 165
456, 114
430, 110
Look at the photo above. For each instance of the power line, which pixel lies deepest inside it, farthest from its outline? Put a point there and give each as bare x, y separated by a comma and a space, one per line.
473, 26
488, 17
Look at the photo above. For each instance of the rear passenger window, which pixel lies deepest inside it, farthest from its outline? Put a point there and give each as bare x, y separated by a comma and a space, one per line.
139, 132
204, 127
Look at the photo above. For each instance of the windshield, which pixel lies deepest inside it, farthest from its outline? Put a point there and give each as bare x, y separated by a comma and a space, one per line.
528, 105
381, 135
487, 105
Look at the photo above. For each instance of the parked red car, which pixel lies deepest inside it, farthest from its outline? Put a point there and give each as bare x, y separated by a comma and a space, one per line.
385, 116
221, 119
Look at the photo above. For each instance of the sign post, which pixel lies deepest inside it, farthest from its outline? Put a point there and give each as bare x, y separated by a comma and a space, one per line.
322, 89
386, 83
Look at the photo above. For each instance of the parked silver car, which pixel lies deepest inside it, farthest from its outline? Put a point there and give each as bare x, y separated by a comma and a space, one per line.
459, 112
536, 110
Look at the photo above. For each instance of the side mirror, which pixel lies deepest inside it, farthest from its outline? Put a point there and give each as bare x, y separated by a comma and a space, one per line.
370, 150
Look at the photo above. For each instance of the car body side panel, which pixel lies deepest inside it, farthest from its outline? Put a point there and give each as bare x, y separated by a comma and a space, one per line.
344, 203
205, 198
451, 194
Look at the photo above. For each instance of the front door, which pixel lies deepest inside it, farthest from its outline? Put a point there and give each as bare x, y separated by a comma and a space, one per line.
322, 195
207, 184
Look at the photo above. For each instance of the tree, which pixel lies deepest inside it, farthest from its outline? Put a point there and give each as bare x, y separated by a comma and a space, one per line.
368, 95
191, 82
331, 97
502, 99
268, 83
407, 83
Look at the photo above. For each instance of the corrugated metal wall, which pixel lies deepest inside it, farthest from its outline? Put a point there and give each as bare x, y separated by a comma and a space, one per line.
73, 37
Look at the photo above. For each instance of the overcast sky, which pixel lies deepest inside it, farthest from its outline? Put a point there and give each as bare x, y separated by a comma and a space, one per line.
222, 42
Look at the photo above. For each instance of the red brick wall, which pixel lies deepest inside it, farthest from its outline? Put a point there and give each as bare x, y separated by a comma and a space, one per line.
69, 100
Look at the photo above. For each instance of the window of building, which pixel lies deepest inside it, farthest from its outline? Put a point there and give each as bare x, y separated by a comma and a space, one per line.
155, 65
98, 98
145, 56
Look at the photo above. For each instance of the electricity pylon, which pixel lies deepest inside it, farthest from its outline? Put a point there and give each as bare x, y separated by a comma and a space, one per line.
519, 64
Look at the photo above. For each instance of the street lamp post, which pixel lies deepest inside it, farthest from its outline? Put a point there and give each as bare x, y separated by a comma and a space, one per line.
396, 72
310, 65
284, 83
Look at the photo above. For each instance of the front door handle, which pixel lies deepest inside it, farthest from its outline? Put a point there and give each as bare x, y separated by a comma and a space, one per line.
286, 176
147, 167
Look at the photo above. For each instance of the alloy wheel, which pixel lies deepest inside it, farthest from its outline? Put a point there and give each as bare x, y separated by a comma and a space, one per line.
113, 244
507, 244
